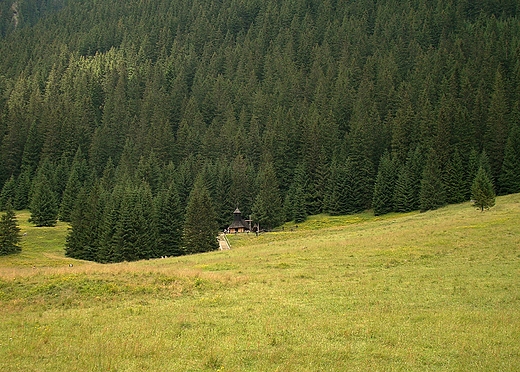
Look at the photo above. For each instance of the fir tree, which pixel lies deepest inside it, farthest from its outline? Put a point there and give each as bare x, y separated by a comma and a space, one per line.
8, 192
338, 189
267, 210
82, 240
471, 172
9, 232
482, 191
432, 195
408, 183
23, 189
108, 249
69, 195
510, 176
44, 207
403, 198
454, 180
383, 200
200, 225
295, 205
169, 220
135, 233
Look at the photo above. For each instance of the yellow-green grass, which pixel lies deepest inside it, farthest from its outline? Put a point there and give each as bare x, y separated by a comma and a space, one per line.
402, 292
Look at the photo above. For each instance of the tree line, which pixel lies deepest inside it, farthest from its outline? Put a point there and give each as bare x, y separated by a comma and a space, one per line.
282, 108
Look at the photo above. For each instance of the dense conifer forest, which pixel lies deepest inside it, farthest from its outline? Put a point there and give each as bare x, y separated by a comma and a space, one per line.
141, 121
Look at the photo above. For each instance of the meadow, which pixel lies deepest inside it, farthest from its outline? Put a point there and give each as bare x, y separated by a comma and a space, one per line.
436, 291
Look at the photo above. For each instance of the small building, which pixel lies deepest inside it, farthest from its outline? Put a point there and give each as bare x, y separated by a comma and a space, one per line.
239, 225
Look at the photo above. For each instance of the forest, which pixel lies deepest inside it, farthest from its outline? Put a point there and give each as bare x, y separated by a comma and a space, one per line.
144, 124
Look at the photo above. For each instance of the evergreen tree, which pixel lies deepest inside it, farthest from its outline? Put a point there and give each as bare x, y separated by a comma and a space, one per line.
69, 195
148, 170
60, 177
44, 207
295, 205
221, 194
482, 191
108, 245
361, 183
200, 225
497, 125
169, 220
32, 148
331, 192
8, 192
23, 189
408, 183
83, 237
483, 161
338, 189
471, 172
403, 198
9, 232
433, 194
383, 200
454, 180
267, 209
135, 231
510, 176
242, 189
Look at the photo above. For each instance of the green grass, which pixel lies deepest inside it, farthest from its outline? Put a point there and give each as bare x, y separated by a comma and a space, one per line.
402, 292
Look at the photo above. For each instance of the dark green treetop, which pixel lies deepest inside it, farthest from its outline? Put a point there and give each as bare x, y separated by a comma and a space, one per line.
9, 232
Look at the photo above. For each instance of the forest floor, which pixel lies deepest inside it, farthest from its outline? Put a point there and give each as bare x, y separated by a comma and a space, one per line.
401, 292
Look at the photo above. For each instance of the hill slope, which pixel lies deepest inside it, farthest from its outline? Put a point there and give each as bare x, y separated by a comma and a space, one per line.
436, 290
316, 92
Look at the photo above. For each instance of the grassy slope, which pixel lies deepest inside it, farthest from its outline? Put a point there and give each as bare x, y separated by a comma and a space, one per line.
432, 291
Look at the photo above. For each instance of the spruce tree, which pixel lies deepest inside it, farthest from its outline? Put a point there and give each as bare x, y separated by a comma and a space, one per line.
338, 189
509, 180
408, 183
69, 195
472, 167
83, 238
267, 209
403, 198
8, 192
9, 232
23, 189
432, 195
44, 207
295, 206
76, 180
454, 179
383, 199
169, 220
200, 225
482, 191
135, 234
108, 250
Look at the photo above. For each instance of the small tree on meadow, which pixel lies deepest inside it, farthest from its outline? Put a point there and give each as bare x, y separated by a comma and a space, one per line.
9, 232
482, 191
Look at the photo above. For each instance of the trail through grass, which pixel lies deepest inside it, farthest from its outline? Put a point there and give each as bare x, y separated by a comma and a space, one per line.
402, 292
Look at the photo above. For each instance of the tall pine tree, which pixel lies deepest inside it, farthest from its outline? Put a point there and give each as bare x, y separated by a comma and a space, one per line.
44, 205
433, 194
267, 209
9, 232
383, 200
200, 225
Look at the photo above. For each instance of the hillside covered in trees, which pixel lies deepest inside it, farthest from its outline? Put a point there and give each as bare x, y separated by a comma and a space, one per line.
137, 120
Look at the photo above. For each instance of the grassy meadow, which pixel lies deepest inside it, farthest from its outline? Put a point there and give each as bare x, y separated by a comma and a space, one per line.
435, 291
